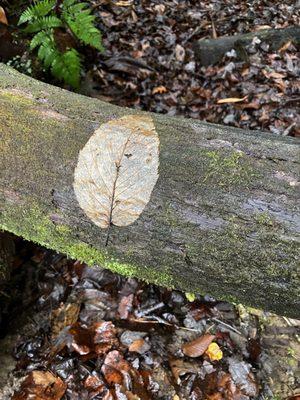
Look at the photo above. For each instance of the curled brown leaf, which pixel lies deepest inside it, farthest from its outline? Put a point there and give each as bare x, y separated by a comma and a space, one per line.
197, 347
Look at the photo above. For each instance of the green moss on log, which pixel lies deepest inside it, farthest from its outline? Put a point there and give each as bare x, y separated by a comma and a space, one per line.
37, 227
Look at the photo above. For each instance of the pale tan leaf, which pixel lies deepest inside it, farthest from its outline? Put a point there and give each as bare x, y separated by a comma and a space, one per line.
159, 89
285, 46
180, 53
117, 170
232, 100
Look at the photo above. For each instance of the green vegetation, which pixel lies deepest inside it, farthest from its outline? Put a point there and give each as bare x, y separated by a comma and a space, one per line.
56, 33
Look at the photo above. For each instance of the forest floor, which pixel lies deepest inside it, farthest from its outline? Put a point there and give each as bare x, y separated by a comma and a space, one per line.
73, 333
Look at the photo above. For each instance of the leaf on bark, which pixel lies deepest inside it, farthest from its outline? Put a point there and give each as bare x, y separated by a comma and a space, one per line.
117, 170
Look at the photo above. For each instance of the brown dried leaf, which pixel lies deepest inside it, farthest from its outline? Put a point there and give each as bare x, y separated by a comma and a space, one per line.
125, 306
65, 315
115, 369
179, 368
41, 385
98, 339
3, 18
139, 346
94, 385
197, 347
117, 170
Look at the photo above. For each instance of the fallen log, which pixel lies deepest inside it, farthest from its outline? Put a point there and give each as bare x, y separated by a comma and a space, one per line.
211, 51
177, 202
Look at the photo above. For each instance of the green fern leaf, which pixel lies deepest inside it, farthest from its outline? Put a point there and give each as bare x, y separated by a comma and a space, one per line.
37, 10
40, 38
82, 25
43, 23
48, 54
67, 67
68, 3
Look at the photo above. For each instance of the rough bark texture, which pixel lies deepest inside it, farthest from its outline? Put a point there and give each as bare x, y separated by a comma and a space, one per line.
223, 217
210, 51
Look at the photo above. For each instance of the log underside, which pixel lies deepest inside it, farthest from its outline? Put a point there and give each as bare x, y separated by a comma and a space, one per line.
211, 51
223, 217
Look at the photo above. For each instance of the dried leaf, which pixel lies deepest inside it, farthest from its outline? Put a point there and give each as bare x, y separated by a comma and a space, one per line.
231, 100
65, 315
139, 346
180, 53
179, 368
117, 170
3, 18
115, 369
214, 352
197, 347
159, 90
41, 385
94, 385
273, 74
95, 340
125, 306
285, 46
243, 377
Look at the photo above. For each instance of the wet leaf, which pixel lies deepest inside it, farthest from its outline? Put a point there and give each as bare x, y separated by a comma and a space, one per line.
197, 347
41, 385
115, 369
139, 346
214, 352
95, 340
125, 306
117, 170
243, 377
94, 385
190, 296
65, 315
180, 368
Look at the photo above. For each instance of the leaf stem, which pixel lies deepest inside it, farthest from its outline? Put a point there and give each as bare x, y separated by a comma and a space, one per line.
118, 166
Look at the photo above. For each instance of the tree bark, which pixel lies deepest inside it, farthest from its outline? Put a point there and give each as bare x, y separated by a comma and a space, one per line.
223, 217
211, 51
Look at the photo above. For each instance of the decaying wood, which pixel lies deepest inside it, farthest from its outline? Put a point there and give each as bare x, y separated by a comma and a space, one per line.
223, 217
7, 251
210, 51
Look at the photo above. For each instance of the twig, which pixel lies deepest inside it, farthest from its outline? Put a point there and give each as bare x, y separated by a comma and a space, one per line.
227, 325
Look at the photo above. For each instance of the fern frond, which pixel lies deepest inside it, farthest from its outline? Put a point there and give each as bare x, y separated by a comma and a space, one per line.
43, 23
81, 22
48, 52
67, 67
68, 3
37, 10
40, 38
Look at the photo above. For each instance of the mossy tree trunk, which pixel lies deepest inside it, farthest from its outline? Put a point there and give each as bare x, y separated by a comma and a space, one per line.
223, 217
